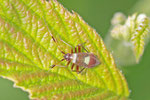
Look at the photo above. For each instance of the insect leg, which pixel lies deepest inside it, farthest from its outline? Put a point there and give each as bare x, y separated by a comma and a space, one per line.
56, 64
72, 67
68, 63
79, 48
75, 49
81, 70
81, 45
71, 50
65, 42
77, 68
84, 48
53, 66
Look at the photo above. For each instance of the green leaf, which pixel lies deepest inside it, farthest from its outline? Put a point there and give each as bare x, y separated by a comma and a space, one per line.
27, 51
135, 32
140, 35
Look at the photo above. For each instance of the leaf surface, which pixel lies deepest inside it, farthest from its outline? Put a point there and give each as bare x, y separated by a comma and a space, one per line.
135, 32
27, 51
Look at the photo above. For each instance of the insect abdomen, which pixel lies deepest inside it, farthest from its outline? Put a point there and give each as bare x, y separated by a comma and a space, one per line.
93, 61
85, 59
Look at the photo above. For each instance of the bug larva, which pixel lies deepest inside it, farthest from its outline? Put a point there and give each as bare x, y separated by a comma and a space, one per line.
78, 58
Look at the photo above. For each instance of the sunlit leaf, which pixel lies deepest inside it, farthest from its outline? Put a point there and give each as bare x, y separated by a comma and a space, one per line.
27, 51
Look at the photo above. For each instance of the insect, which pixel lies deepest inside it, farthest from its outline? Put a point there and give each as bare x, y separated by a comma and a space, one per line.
78, 58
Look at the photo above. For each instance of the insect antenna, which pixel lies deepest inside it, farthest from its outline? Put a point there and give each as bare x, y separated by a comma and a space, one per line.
58, 45
56, 42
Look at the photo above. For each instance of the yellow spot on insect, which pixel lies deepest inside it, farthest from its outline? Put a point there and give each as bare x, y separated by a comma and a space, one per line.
87, 60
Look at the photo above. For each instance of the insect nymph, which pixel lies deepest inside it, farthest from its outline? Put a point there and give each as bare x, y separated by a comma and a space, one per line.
79, 59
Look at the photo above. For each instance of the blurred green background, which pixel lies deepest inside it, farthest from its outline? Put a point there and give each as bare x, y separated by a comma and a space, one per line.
98, 14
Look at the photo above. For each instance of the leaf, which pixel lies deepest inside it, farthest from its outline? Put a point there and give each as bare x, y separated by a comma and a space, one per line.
135, 31
27, 51
140, 35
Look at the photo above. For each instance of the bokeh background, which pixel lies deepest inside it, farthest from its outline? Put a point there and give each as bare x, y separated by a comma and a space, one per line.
98, 14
